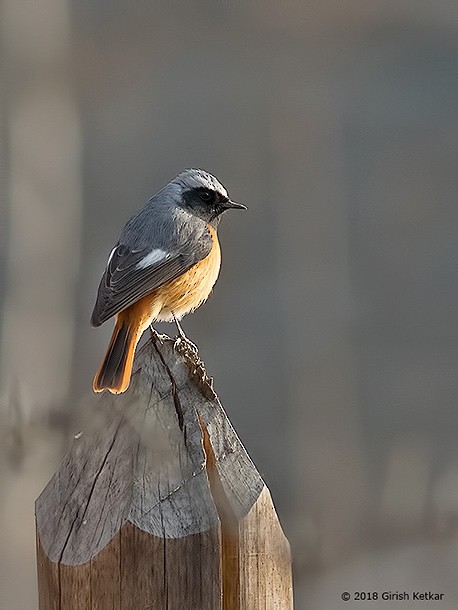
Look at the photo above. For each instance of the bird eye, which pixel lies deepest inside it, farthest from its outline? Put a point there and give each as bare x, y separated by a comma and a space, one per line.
205, 195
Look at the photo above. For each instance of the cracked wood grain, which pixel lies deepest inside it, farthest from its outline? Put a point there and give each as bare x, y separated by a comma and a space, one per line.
160, 506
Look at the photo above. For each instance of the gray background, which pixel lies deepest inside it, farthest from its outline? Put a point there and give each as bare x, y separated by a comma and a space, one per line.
332, 331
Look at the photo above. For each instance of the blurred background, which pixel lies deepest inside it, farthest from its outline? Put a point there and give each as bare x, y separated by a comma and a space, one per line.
332, 332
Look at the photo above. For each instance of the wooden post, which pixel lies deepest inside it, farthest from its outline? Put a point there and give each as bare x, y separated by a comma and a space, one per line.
161, 507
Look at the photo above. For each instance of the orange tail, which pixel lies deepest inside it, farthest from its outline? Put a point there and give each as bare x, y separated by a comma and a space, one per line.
115, 371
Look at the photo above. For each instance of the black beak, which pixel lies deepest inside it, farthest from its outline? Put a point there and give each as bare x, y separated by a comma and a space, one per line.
234, 205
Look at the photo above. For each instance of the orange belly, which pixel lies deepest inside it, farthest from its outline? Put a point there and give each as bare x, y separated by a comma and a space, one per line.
180, 296
191, 289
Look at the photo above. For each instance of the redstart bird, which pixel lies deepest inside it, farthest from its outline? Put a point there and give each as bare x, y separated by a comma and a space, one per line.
164, 266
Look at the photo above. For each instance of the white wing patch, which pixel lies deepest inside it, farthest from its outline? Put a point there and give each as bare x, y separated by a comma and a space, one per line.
152, 258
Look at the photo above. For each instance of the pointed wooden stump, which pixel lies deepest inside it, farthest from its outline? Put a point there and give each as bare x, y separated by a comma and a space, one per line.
161, 507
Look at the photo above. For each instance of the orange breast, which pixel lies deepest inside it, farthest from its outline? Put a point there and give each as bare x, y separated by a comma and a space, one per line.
191, 289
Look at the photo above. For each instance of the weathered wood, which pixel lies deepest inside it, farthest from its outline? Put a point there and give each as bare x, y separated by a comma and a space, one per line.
160, 506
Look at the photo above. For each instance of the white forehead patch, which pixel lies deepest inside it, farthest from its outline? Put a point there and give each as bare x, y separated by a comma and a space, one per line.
155, 256
195, 178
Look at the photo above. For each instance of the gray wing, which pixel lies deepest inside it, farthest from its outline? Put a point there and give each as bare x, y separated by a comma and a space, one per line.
127, 277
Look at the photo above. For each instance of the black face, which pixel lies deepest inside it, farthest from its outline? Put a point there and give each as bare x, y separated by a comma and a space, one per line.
205, 203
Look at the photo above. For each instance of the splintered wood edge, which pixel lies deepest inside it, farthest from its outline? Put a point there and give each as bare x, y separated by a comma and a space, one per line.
240, 479
255, 553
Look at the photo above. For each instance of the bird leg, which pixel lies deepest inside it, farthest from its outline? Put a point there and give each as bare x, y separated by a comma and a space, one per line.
182, 342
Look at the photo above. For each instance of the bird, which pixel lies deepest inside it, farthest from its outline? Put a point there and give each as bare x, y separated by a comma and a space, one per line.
163, 267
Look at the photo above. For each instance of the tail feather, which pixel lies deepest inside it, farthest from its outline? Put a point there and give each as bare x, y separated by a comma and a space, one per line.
115, 371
